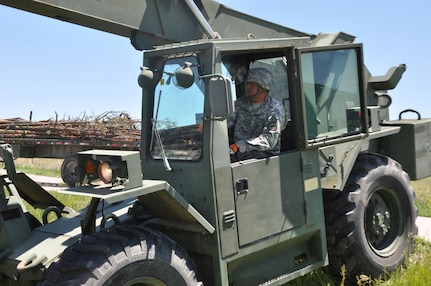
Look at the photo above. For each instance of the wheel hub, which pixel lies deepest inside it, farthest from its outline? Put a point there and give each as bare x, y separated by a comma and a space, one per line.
380, 221
381, 233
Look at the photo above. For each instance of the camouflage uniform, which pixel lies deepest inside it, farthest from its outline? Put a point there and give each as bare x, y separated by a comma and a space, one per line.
258, 133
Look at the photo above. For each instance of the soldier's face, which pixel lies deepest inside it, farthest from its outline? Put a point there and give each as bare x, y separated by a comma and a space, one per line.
251, 88
255, 93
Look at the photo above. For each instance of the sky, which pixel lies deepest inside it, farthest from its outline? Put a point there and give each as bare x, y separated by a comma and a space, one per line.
55, 69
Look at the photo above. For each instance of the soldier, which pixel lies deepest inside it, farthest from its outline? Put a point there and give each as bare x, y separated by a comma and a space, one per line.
258, 119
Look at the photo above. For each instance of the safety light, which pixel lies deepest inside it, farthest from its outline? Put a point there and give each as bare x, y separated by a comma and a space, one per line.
108, 169
105, 172
117, 168
91, 169
100, 169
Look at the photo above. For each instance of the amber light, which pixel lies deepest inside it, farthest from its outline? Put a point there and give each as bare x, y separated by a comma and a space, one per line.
105, 172
90, 168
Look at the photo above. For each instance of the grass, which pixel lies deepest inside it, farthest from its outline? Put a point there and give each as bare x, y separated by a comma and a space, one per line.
51, 168
416, 272
423, 196
71, 201
39, 166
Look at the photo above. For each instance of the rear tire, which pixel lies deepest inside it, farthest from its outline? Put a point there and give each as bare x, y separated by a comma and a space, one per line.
371, 224
124, 255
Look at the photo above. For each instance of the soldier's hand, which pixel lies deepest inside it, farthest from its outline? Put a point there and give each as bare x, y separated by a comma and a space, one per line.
233, 148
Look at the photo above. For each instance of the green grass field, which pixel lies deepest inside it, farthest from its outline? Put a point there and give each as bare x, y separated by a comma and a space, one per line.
423, 196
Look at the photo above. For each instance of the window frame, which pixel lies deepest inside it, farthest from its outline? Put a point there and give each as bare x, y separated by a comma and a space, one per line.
192, 151
304, 123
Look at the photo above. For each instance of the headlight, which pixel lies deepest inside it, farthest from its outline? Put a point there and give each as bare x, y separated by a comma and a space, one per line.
105, 172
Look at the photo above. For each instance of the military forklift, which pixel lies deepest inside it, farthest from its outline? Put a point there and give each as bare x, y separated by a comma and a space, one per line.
179, 212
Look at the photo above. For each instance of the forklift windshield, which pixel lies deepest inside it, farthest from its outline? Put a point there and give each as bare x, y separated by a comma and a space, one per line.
177, 114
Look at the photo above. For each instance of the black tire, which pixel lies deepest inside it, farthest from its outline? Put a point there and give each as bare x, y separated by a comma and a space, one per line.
70, 171
123, 255
371, 224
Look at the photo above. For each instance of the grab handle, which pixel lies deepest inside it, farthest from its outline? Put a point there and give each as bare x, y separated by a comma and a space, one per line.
409, 110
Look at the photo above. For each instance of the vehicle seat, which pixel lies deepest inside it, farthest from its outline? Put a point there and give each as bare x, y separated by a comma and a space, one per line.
287, 138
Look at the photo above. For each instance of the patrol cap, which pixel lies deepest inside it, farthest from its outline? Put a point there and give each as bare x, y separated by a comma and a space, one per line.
261, 76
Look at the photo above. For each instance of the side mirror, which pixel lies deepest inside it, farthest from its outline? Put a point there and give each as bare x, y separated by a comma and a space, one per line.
184, 76
220, 95
146, 78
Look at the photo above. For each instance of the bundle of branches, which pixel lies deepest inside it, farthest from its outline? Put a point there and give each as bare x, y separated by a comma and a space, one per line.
109, 126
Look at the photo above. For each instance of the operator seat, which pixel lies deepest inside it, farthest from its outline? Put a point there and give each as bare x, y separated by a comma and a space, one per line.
287, 138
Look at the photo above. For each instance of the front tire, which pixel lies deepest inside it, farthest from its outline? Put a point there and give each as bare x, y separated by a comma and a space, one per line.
124, 255
371, 224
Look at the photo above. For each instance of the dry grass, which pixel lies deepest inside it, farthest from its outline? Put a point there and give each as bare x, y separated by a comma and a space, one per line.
39, 163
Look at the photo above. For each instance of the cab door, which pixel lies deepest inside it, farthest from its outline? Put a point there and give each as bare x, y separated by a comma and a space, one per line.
269, 196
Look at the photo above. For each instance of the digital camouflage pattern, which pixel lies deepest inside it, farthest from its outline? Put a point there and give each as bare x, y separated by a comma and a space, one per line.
261, 76
257, 133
